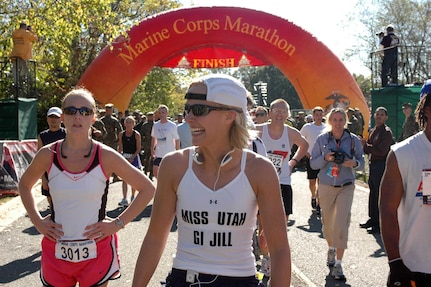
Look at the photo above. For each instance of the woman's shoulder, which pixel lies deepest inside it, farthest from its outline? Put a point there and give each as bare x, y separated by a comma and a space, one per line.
256, 160
178, 155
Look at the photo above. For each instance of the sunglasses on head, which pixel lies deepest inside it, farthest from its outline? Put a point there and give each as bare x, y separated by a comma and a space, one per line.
203, 110
84, 111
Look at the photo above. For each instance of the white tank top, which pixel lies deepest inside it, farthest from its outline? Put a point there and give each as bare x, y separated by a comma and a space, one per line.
79, 199
279, 153
413, 215
215, 228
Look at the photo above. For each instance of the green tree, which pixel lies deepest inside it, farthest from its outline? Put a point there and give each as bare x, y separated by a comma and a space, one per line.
71, 34
278, 86
160, 86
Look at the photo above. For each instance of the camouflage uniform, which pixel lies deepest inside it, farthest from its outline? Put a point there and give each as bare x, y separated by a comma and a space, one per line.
146, 146
99, 125
113, 128
354, 126
410, 127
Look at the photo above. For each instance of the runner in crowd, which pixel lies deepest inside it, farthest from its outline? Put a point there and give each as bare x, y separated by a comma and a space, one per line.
79, 242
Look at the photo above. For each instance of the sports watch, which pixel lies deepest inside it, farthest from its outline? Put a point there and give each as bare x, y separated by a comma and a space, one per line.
119, 222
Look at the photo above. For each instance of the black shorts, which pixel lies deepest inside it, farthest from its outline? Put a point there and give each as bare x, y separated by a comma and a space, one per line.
157, 161
287, 196
177, 278
311, 173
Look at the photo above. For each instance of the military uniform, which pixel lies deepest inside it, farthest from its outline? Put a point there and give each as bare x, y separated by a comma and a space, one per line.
100, 126
113, 128
354, 126
146, 146
410, 127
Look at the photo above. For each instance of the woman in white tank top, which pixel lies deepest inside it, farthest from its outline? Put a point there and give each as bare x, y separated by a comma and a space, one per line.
214, 189
80, 243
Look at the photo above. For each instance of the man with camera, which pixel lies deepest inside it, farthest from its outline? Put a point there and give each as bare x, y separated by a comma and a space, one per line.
23, 39
377, 147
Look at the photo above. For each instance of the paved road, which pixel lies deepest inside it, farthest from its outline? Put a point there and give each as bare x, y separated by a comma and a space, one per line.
364, 262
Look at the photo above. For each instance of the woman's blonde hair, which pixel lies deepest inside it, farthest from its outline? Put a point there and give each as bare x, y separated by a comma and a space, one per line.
330, 115
239, 134
82, 92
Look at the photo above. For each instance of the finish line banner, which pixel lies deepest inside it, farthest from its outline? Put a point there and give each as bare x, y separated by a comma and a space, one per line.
15, 158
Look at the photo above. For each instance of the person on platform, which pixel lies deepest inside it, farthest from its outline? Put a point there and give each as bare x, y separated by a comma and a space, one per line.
23, 39
390, 43
227, 183
405, 203
79, 244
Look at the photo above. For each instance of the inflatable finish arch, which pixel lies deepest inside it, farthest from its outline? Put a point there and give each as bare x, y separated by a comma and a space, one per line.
318, 76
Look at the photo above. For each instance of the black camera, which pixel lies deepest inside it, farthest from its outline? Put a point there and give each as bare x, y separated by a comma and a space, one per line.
339, 156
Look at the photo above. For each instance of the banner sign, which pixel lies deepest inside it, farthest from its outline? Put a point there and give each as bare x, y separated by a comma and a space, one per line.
15, 158
219, 37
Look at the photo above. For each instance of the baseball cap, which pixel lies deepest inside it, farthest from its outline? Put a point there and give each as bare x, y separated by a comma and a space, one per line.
109, 105
406, 105
426, 88
223, 89
54, 111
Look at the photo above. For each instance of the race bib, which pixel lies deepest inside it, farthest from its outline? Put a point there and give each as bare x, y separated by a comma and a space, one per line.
333, 171
127, 155
76, 251
426, 186
277, 160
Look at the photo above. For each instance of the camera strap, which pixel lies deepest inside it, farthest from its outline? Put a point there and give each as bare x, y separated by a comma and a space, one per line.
352, 142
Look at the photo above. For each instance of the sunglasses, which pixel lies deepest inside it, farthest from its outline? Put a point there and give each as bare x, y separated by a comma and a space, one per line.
259, 114
84, 111
203, 110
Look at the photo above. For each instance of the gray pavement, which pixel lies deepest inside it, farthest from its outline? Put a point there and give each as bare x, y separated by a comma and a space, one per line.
364, 261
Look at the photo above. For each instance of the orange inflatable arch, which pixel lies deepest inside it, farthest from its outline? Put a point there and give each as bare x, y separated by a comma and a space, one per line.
180, 37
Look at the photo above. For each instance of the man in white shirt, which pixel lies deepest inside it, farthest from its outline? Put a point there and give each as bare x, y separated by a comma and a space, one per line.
164, 138
310, 131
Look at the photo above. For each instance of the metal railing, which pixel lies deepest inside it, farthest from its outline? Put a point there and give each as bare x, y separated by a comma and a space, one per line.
17, 78
414, 63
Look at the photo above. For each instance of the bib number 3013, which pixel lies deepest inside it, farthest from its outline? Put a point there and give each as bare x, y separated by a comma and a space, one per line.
76, 251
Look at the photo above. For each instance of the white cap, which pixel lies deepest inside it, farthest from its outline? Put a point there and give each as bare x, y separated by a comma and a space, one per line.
225, 90
54, 111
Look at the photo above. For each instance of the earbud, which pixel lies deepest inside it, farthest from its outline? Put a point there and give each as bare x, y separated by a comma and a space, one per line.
87, 155
197, 158
226, 159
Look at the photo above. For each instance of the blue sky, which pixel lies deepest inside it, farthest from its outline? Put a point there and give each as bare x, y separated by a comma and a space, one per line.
326, 20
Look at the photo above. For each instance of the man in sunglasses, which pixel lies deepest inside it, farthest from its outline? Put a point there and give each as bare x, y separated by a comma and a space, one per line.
260, 115
279, 138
